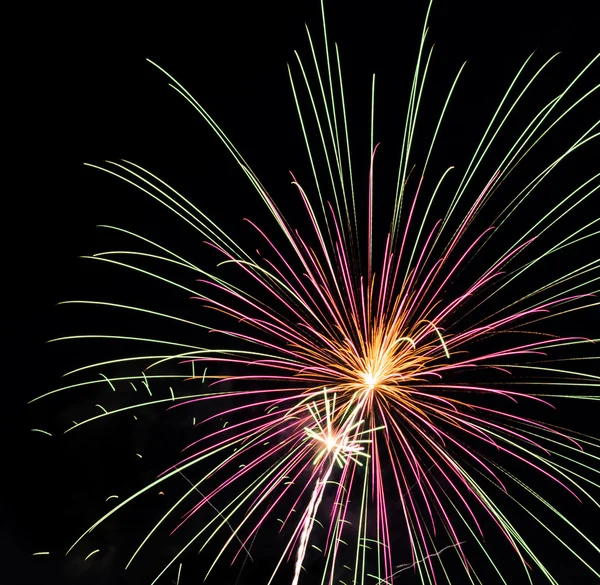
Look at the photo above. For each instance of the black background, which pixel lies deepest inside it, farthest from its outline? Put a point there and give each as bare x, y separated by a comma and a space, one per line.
84, 92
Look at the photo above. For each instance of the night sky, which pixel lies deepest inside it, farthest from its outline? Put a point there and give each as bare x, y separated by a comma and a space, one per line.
86, 94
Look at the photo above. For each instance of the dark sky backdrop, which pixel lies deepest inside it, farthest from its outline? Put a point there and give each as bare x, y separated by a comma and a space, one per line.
88, 94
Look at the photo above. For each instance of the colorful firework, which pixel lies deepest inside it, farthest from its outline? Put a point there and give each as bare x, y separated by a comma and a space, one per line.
405, 367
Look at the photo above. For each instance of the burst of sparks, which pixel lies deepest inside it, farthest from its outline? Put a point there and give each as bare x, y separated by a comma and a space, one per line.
373, 389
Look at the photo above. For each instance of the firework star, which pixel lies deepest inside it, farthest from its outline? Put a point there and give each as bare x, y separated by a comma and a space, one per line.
375, 370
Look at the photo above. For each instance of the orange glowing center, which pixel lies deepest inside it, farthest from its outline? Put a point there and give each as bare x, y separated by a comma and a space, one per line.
370, 381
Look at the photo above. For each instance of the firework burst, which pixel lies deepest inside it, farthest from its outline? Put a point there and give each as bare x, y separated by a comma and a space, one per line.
374, 392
